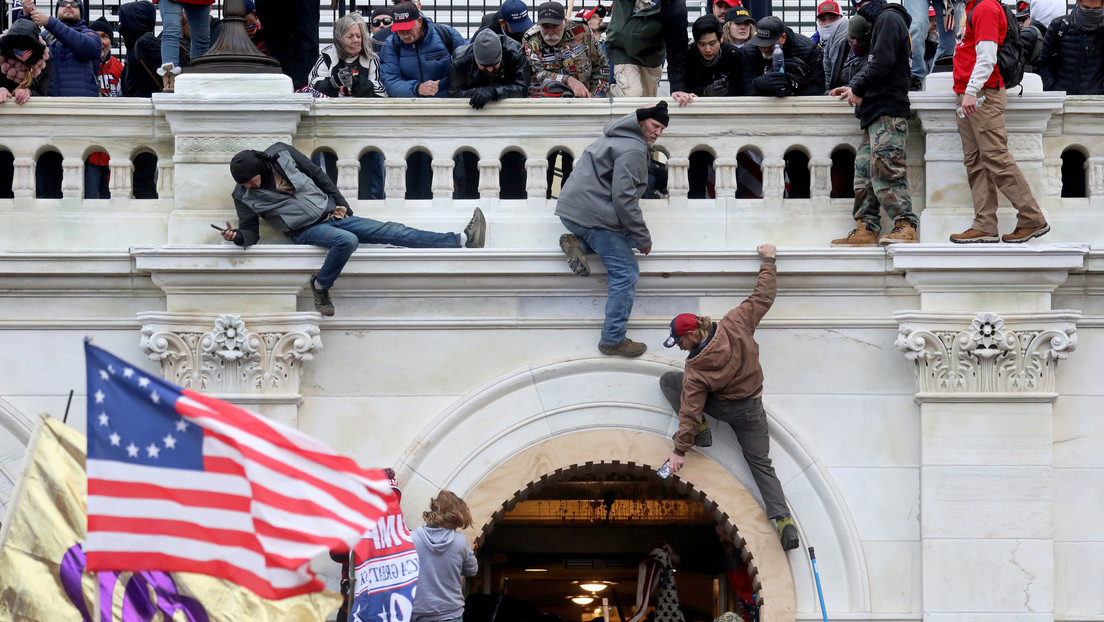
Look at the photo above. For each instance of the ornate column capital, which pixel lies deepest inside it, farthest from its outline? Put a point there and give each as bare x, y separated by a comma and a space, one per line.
251, 356
987, 357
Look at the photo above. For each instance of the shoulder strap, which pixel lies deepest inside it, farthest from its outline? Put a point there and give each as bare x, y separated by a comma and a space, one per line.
445, 34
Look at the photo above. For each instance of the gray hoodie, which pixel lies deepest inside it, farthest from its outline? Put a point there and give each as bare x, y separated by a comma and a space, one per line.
605, 187
443, 556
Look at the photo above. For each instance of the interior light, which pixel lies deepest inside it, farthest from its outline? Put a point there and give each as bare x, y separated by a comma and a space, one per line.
536, 570
593, 587
582, 600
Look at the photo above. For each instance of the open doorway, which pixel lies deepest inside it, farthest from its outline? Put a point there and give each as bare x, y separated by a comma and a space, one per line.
579, 536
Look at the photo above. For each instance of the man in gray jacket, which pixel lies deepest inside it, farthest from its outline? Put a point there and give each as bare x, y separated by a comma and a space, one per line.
285, 188
600, 206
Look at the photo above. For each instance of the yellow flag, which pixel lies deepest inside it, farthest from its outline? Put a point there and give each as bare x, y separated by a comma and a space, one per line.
42, 563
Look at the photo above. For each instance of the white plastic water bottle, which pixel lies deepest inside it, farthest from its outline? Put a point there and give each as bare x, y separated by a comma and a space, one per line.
962, 115
664, 471
778, 59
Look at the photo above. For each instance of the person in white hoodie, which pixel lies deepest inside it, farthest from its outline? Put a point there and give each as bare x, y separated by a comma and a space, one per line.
445, 557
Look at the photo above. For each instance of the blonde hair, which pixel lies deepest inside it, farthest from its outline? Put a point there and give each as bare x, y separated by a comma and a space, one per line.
342, 26
448, 511
701, 333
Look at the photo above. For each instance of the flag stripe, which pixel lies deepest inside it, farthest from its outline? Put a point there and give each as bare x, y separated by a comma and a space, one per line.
138, 490
158, 508
195, 480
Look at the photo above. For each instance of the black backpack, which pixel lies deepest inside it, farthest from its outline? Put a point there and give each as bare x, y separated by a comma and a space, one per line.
1010, 54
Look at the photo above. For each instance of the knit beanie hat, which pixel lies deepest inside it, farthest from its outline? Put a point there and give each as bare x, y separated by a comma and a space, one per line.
246, 165
858, 28
657, 112
104, 26
488, 48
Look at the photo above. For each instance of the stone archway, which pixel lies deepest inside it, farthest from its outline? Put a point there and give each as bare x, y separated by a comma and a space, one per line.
495, 441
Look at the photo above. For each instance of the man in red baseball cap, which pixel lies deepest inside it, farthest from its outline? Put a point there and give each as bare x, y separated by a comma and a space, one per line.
723, 376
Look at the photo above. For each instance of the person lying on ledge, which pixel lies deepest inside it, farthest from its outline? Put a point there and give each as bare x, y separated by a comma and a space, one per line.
284, 187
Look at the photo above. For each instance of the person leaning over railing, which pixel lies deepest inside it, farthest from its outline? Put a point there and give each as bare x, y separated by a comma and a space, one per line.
491, 68
713, 68
415, 59
25, 66
348, 67
564, 56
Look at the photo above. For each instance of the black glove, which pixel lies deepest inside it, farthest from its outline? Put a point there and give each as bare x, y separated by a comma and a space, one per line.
719, 88
773, 83
481, 98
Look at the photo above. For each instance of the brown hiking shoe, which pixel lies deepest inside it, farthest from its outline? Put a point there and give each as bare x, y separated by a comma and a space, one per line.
322, 300
1023, 234
861, 235
576, 258
973, 236
903, 232
627, 347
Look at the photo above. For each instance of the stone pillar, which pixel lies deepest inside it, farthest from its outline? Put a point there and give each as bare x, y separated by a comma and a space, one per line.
724, 171
442, 178
986, 347
348, 178
489, 172
166, 178
23, 181
72, 178
678, 178
536, 178
1052, 177
255, 361
820, 174
122, 177
395, 179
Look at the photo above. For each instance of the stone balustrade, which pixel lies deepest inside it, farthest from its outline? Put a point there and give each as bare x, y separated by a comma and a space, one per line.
192, 135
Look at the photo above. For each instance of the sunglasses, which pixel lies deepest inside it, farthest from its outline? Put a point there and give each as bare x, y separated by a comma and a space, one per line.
65, 3
382, 22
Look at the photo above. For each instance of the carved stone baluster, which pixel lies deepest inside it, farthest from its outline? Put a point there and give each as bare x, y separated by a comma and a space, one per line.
72, 178
536, 178
122, 176
23, 182
1052, 177
678, 177
166, 178
489, 172
1094, 176
724, 170
442, 178
395, 187
820, 175
348, 177
774, 178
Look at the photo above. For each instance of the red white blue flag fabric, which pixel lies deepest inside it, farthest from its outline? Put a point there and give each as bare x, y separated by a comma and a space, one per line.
178, 481
386, 570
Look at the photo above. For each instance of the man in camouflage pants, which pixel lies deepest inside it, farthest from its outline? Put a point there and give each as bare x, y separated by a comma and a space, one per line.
879, 92
565, 51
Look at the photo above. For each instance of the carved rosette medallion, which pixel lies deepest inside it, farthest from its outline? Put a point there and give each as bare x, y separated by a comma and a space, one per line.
231, 358
987, 357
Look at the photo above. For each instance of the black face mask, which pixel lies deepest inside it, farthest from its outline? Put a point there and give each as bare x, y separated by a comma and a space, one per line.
1088, 19
872, 9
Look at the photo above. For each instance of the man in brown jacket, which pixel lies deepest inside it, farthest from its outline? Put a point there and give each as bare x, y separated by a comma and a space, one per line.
723, 376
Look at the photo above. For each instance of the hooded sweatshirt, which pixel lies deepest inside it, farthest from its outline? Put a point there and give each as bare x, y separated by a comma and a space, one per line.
143, 57
727, 365
605, 187
444, 556
883, 82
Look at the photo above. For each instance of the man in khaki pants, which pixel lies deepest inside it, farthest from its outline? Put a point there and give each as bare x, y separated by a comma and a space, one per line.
989, 165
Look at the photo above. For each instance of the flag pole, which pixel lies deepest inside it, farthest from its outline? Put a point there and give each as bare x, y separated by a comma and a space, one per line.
96, 617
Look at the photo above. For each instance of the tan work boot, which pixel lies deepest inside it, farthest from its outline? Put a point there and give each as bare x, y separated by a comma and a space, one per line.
903, 232
627, 347
1023, 234
861, 235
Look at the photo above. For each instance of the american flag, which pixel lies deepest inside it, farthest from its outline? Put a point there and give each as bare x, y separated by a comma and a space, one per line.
178, 481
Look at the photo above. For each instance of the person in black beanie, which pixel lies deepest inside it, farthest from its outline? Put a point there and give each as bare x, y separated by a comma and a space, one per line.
284, 187
600, 206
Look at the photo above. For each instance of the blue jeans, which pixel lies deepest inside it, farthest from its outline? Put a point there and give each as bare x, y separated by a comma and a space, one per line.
616, 250
343, 236
199, 27
97, 179
918, 32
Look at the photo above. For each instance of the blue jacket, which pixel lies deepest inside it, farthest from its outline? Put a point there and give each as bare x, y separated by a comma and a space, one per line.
403, 67
75, 52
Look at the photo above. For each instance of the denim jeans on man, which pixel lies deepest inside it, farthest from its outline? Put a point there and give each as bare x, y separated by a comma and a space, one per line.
343, 236
918, 32
615, 248
172, 31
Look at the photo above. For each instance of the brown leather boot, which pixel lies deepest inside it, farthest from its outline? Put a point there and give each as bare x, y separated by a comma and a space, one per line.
859, 236
627, 347
903, 232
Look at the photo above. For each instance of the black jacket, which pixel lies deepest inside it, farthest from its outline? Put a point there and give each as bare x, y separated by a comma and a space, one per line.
729, 66
1072, 60
883, 82
511, 79
804, 66
143, 57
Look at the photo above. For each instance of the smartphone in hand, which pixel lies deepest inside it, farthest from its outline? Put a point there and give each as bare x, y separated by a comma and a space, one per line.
217, 228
